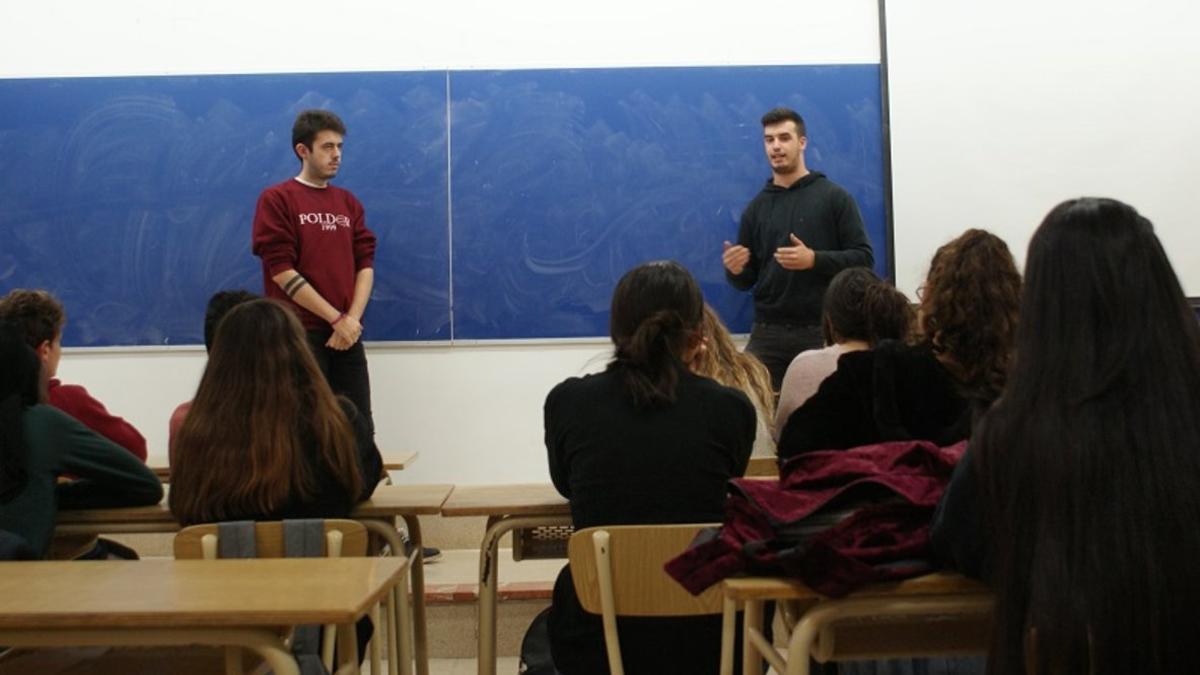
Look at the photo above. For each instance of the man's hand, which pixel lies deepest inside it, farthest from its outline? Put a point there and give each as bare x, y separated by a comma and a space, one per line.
338, 343
795, 257
735, 258
346, 332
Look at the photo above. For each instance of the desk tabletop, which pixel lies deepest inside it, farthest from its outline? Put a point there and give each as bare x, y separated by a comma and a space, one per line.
388, 500
506, 500
393, 461
402, 500
155, 514
778, 588
399, 460
163, 593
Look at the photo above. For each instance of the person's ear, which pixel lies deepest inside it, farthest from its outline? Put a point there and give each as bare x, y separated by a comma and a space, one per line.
302, 150
43, 350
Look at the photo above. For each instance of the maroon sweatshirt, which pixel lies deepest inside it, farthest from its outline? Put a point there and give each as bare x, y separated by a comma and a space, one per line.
78, 403
319, 232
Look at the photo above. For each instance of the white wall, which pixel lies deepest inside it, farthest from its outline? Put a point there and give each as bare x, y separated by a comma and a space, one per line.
1000, 110
474, 412
148, 37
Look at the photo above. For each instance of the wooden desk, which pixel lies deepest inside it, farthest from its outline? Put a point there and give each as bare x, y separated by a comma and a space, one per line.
399, 461
936, 614
395, 461
507, 507
377, 514
159, 602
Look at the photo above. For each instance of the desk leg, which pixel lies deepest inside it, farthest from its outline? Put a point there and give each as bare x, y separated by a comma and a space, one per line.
399, 648
488, 561
489, 574
420, 629
376, 652
751, 620
728, 630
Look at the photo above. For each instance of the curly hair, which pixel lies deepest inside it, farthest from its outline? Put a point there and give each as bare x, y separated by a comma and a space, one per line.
39, 315
968, 310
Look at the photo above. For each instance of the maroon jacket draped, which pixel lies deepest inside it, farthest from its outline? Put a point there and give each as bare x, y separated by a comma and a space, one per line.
878, 501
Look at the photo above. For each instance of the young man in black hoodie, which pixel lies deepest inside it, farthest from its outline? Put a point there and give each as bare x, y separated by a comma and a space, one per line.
799, 232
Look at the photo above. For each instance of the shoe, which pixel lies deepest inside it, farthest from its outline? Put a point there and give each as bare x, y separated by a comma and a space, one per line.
430, 554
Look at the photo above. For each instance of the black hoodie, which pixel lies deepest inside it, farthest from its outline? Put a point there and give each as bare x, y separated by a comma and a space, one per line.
825, 217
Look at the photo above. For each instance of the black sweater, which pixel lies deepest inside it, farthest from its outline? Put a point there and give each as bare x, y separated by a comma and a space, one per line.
822, 215
620, 465
893, 392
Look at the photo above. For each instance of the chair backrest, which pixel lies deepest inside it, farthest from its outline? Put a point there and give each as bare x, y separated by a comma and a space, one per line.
762, 466
192, 542
636, 555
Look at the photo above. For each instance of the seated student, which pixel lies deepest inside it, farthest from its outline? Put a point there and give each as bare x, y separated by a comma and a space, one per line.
927, 391
39, 444
218, 306
719, 359
859, 311
265, 438
41, 317
646, 441
1077, 498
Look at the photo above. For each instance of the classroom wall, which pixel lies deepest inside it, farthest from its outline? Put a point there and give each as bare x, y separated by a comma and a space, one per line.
998, 111
474, 411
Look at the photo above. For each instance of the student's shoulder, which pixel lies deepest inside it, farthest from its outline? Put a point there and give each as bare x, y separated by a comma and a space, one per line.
48, 415
816, 358
342, 194
765, 195
581, 387
719, 395
281, 188
63, 395
49, 422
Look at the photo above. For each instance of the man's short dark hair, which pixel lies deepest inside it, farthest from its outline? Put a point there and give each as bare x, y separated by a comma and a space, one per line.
218, 306
312, 122
777, 115
39, 315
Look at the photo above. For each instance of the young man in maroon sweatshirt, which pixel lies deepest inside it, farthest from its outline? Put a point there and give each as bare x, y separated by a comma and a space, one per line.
318, 255
41, 317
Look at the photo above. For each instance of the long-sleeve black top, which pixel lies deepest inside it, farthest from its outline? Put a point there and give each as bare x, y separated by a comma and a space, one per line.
620, 465
822, 215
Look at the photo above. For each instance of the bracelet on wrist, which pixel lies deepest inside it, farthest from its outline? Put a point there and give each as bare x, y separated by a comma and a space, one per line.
339, 318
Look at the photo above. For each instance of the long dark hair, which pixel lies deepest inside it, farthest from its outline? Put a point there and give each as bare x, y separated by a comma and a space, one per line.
859, 305
21, 385
968, 311
261, 401
1090, 461
657, 311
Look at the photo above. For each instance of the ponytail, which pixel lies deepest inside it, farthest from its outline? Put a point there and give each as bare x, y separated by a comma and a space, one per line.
650, 360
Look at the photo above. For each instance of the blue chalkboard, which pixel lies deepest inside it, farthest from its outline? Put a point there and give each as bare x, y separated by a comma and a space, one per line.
564, 179
132, 198
507, 203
